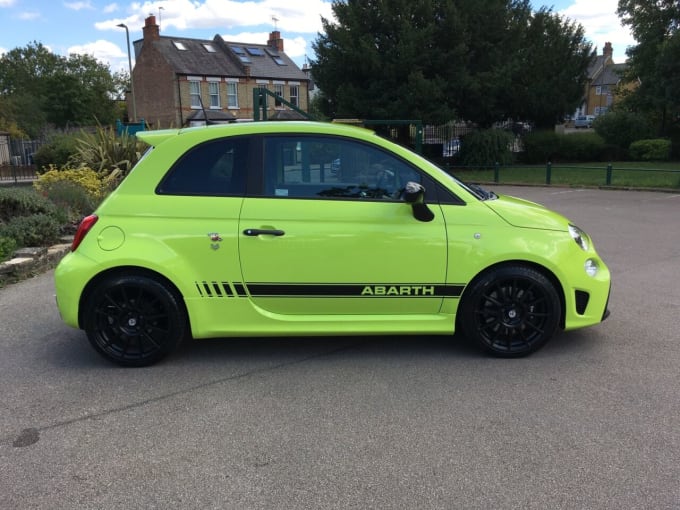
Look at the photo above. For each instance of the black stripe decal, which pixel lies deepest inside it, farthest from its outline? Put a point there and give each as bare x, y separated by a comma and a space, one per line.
329, 290
227, 289
354, 290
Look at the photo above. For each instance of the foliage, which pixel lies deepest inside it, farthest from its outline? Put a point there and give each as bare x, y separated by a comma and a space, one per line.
621, 128
541, 146
7, 247
43, 87
487, 147
654, 63
75, 191
580, 147
651, 150
57, 152
22, 202
85, 177
32, 230
106, 152
440, 59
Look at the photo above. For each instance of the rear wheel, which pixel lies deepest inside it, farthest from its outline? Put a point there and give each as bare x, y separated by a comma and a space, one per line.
510, 311
134, 320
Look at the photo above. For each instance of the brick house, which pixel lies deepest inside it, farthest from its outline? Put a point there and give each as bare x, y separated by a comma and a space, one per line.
604, 84
179, 81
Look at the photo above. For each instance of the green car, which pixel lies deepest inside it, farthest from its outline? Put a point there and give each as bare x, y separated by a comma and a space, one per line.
303, 228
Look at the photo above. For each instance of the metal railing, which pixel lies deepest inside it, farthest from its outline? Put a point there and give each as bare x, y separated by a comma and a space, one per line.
605, 175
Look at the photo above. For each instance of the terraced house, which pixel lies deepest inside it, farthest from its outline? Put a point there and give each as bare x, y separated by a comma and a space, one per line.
182, 82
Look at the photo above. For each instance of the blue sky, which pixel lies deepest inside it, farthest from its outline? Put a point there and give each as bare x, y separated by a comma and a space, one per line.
89, 26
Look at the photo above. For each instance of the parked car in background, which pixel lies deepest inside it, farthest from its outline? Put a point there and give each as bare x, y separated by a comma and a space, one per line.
222, 231
584, 121
451, 148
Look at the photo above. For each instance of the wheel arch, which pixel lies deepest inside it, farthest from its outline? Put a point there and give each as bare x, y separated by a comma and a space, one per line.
131, 271
528, 264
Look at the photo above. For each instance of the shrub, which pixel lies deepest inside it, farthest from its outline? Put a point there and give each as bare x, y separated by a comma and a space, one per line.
33, 230
75, 191
651, 150
16, 202
622, 128
7, 247
106, 152
85, 177
581, 147
541, 147
57, 152
485, 148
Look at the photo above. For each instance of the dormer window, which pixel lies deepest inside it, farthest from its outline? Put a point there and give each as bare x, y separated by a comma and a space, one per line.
256, 52
179, 45
209, 48
279, 60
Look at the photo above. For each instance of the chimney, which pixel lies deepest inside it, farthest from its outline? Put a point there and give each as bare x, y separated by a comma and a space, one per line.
608, 51
275, 40
151, 30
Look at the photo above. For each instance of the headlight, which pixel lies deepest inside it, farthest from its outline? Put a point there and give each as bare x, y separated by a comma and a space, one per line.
579, 236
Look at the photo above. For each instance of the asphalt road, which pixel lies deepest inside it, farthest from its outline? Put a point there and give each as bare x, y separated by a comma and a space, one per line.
591, 421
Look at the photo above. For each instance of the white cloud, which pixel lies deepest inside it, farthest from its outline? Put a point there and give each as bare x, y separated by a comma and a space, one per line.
29, 15
7, 3
110, 8
105, 52
296, 16
78, 6
3, 50
601, 25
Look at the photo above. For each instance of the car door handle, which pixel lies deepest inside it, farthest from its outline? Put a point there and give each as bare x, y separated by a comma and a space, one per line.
262, 232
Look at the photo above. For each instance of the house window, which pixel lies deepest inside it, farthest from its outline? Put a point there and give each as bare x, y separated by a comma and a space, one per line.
179, 45
232, 94
195, 93
278, 90
209, 48
214, 91
295, 94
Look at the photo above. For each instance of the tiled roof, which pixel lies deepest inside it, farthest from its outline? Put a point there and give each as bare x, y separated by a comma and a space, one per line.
264, 61
611, 75
217, 57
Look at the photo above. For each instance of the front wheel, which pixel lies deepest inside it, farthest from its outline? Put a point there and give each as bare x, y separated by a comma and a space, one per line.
134, 320
510, 311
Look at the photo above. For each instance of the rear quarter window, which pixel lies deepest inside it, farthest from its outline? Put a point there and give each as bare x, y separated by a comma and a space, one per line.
214, 168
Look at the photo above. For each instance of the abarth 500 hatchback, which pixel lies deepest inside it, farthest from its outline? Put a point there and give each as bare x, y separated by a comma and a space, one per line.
303, 228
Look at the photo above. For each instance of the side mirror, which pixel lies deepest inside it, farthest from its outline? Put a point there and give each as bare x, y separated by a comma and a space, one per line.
414, 194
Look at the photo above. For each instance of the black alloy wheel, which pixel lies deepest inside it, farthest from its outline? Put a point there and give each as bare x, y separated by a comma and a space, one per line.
134, 320
510, 311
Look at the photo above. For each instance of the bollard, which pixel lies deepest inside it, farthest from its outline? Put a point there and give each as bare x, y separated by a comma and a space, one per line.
548, 172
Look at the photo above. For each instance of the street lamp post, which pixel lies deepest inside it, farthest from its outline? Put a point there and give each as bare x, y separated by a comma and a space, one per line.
132, 84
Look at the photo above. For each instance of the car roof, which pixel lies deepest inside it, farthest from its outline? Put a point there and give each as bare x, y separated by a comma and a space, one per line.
250, 128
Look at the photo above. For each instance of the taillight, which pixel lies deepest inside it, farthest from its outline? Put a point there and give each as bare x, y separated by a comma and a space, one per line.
85, 225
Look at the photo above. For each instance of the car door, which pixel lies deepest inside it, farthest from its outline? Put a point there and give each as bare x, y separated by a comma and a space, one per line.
330, 234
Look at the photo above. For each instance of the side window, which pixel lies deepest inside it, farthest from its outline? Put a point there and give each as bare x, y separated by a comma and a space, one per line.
331, 167
216, 168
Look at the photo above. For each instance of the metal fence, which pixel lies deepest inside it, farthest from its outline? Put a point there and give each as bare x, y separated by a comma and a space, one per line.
605, 175
16, 159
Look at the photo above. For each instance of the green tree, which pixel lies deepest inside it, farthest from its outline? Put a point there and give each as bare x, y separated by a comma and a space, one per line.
654, 63
436, 60
46, 88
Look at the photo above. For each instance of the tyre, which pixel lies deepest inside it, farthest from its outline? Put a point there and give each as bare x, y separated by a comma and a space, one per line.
510, 311
134, 320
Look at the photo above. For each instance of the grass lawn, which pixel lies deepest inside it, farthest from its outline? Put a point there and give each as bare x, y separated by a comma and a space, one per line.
625, 174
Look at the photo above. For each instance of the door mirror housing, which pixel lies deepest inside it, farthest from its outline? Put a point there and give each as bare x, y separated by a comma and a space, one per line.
414, 194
